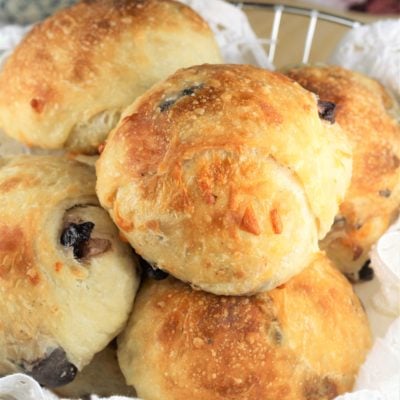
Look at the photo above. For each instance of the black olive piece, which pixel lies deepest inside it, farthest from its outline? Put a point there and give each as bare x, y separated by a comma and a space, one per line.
75, 236
366, 273
189, 91
165, 105
168, 103
152, 272
275, 332
54, 370
327, 110
385, 193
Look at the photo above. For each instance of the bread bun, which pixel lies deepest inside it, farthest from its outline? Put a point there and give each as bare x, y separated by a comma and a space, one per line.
67, 282
302, 341
68, 81
225, 176
373, 200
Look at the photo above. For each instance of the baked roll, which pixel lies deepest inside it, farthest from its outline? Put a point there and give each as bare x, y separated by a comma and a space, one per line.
102, 377
304, 340
74, 73
67, 282
364, 110
225, 176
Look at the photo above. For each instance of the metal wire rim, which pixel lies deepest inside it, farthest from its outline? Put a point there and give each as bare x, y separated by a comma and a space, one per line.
313, 14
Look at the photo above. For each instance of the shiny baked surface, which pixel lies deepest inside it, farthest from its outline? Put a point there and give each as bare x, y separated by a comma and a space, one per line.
366, 114
304, 340
72, 75
225, 176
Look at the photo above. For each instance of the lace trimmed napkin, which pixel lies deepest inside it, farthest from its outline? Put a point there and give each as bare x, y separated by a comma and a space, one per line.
373, 49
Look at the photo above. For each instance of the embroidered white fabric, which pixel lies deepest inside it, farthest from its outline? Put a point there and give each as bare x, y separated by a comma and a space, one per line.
234, 34
373, 49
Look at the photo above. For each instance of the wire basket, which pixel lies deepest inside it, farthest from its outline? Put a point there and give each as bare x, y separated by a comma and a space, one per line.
312, 20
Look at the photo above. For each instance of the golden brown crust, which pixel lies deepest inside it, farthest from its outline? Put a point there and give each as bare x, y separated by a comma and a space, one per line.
373, 199
50, 298
91, 59
302, 341
224, 176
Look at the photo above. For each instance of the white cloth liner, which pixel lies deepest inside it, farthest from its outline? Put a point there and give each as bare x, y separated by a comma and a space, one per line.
379, 377
373, 49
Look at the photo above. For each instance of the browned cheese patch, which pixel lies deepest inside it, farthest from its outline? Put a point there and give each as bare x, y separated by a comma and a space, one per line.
16, 256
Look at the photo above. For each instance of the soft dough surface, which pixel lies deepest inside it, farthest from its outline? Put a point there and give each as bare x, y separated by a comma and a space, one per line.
364, 111
304, 340
59, 304
70, 78
225, 176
